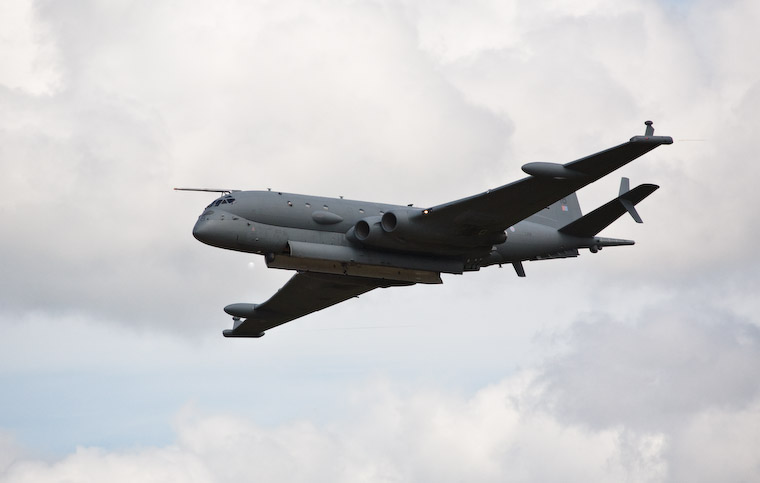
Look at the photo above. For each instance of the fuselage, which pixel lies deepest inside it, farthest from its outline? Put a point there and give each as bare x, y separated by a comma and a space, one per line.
272, 223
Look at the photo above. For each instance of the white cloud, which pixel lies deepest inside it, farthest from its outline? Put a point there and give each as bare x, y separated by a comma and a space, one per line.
28, 52
668, 396
391, 435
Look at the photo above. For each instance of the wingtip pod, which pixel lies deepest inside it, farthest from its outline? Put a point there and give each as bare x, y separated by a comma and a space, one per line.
238, 313
657, 140
238, 320
231, 333
649, 136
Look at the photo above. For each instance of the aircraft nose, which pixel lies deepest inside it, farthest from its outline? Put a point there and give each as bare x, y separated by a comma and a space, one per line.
203, 231
217, 229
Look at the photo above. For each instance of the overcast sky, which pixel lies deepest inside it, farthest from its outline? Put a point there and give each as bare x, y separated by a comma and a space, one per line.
634, 364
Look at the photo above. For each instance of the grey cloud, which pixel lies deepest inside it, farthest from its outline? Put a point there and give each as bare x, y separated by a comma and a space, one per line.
659, 370
717, 444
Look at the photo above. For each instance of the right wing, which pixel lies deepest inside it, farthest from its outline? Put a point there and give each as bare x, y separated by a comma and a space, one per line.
496, 210
305, 292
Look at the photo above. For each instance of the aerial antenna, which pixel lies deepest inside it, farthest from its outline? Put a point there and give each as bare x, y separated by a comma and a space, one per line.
208, 190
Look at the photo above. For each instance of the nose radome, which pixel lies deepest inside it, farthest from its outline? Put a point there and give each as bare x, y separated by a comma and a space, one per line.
200, 230
207, 231
217, 232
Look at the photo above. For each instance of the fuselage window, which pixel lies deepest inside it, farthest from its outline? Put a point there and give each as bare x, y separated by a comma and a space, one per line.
230, 200
324, 207
308, 205
361, 211
217, 202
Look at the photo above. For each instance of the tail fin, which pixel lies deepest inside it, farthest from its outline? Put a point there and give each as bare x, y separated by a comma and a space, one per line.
560, 213
602, 217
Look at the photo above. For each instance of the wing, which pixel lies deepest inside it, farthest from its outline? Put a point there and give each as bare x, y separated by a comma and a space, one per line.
498, 209
305, 292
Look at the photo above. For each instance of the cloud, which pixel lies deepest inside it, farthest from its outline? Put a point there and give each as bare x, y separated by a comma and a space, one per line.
261, 102
391, 435
684, 374
669, 364
29, 52
717, 444
398, 101
666, 396
106, 106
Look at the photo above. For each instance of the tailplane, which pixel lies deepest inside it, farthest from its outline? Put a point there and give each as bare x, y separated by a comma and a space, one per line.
599, 219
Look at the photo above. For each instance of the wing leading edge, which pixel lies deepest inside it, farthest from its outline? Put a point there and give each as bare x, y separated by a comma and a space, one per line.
499, 208
305, 292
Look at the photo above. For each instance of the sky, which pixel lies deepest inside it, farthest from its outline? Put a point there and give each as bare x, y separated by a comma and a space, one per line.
633, 364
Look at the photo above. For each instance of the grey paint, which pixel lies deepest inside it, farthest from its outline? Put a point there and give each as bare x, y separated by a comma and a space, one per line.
343, 248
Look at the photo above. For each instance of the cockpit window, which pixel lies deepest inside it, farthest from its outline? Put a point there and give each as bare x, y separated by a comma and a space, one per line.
223, 201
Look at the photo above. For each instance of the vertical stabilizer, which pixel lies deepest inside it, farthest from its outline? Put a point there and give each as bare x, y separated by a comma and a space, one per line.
559, 214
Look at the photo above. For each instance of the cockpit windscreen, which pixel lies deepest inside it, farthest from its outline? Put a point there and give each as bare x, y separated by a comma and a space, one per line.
221, 201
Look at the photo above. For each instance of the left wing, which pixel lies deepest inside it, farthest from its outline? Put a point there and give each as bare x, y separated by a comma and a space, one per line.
497, 209
305, 292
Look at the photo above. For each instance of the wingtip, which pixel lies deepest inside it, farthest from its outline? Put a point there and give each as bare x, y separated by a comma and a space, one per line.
649, 136
231, 333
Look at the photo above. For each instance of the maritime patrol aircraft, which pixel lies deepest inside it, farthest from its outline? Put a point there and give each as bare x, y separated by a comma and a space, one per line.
343, 248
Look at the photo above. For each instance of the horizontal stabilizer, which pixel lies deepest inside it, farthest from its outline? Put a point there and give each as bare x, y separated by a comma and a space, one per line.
602, 217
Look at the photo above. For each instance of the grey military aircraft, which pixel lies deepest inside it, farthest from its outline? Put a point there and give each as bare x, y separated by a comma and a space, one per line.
343, 248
